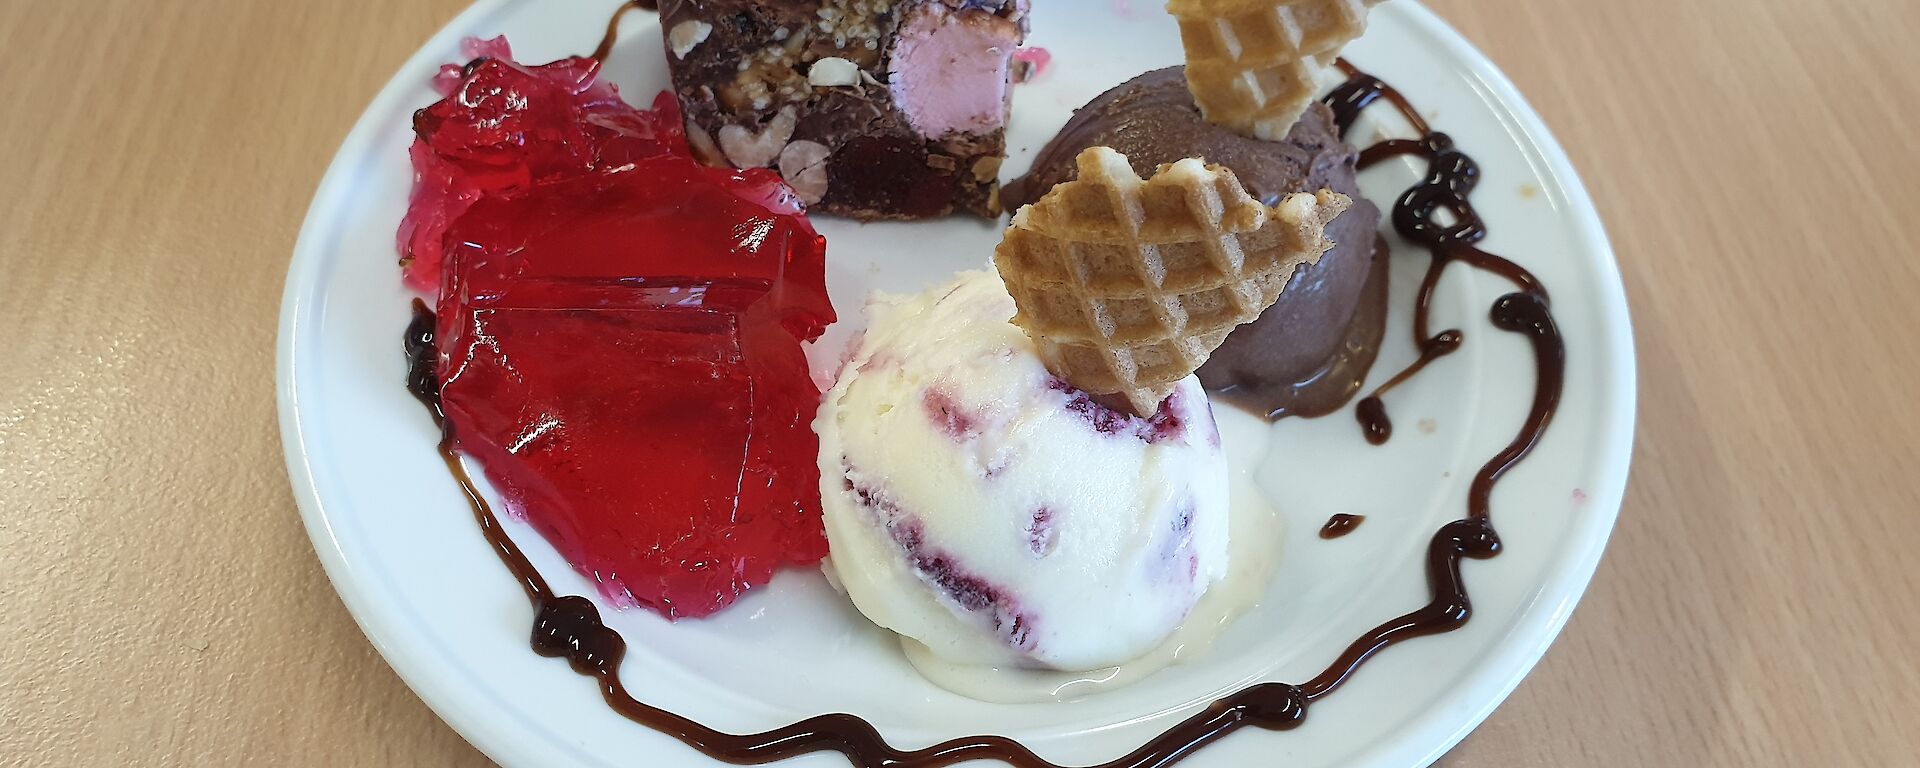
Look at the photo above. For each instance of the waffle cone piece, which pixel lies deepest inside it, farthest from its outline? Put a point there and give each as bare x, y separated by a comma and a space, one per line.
1255, 65
1126, 285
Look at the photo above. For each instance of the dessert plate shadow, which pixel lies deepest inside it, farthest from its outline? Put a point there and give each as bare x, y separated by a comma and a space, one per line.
401, 547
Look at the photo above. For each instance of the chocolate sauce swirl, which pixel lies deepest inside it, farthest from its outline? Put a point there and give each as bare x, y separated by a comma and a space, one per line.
605, 48
570, 627
1449, 183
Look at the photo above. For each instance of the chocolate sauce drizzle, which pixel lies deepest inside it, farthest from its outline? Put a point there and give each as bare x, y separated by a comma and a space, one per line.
1340, 525
570, 626
1451, 178
605, 48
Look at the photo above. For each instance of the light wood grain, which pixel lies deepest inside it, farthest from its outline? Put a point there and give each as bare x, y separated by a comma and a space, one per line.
1753, 159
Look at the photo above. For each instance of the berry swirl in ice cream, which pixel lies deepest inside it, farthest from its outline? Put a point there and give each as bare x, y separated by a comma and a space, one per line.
977, 504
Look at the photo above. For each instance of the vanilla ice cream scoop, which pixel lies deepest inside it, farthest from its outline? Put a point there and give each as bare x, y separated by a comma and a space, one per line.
979, 505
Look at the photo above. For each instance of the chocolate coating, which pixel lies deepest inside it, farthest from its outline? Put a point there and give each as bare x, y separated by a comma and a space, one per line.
1308, 353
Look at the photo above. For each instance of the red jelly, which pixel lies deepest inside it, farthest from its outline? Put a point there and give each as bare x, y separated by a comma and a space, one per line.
620, 351
505, 128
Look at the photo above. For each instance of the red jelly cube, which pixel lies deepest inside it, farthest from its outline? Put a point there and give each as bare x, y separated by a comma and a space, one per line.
621, 354
506, 128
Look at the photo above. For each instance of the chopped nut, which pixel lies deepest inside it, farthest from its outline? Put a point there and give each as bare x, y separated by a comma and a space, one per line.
940, 162
804, 165
686, 35
832, 71
704, 150
753, 89
746, 149
793, 45
987, 168
733, 97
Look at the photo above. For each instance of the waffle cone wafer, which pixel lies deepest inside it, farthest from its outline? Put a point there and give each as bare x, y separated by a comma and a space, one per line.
1255, 65
1126, 285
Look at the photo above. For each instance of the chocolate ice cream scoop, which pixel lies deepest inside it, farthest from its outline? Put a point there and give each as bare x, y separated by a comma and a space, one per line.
1309, 352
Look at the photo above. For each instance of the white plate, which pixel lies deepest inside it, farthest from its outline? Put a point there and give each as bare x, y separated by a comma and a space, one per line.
405, 555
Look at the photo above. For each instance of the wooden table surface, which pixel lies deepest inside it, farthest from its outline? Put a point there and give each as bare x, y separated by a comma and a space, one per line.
1754, 161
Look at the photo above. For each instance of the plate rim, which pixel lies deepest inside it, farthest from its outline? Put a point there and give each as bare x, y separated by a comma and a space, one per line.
1483, 687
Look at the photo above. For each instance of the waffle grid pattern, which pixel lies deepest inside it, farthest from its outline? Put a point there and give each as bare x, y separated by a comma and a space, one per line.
1128, 285
1255, 66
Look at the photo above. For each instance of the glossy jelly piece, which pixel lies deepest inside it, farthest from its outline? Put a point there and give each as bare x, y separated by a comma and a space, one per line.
619, 435
619, 330
504, 129
667, 232
621, 354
